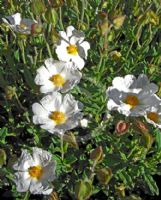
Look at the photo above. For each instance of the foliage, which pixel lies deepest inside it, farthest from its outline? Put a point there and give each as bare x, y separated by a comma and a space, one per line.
125, 39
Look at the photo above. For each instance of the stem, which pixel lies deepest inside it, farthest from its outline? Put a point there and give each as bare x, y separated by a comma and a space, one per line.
60, 19
26, 197
62, 148
22, 51
19, 103
82, 15
48, 48
100, 62
129, 49
92, 170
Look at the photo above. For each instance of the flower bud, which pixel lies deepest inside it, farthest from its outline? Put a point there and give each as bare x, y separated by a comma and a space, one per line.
72, 3
83, 190
103, 27
2, 157
54, 35
104, 175
120, 190
121, 127
118, 21
97, 154
141, 126
53, 196
56, 3
82, 26
152, 68
36, 29
9, 92
51, 16
102, 15
38, 7
152, 17
71, 140
104, 4
84, 123
149, 139
115, 55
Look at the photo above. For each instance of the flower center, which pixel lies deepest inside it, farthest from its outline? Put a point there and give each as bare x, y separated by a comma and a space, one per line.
57, 80
58, 117
72, 49
153, 116
35, 171
23, 26
131, 100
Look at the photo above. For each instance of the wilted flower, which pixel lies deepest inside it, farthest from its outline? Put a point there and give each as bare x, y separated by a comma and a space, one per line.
23, 26
71, 47
153, 116
57, 113
57, 76
132, 97
34, 172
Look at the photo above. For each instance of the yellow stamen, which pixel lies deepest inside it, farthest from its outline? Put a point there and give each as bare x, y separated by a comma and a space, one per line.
131, 100
72, 49
23, 26
58, 117
57, 80
153, 116
35, 171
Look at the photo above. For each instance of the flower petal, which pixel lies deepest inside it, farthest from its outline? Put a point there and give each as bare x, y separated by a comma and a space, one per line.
86, 46
22, 181
78, 61
41, 157
24, 162
52, 102
69, 31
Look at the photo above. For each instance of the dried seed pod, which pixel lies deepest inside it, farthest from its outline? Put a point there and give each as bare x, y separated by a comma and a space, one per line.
97, 154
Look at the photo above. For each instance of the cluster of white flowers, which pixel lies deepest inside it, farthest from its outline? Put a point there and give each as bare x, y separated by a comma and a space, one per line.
56, 112
135, 97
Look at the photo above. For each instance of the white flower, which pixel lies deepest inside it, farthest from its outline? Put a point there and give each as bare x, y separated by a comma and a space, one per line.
72, 47
57, 113
84, 123
34, 172
57, 76
153, 116
132, 97
130, 84
23, 26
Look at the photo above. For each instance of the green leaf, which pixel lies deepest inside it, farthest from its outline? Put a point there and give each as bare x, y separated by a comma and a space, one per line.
151, 184
126, 178
158, 140
70, 159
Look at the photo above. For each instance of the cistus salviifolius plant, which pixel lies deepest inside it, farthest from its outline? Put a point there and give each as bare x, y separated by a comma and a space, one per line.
80, 101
